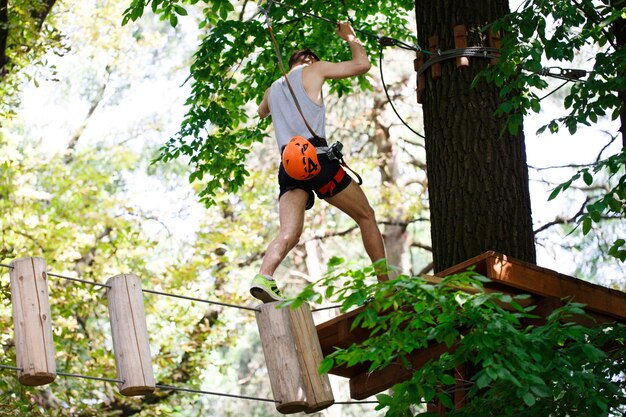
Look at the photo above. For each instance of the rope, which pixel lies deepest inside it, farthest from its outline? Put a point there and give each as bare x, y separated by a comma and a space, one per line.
220, 394
50, 274
355, 402
200, 300
554, 90
470, 51
382, 80
282, 68
148, 291
325, 308
94, 378
181, 389
14, 368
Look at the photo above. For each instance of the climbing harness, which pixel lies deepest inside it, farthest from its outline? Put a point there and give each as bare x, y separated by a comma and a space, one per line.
306, 167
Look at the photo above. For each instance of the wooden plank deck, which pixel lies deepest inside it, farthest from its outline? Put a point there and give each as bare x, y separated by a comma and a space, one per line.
546, 287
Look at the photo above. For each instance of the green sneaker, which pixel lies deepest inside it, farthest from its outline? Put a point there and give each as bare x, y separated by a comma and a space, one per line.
265, 289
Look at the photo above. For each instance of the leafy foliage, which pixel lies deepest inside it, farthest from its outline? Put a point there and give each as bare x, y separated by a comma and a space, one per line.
542, 30
235, 63
25, 37
522, 367
558, 31
611, 204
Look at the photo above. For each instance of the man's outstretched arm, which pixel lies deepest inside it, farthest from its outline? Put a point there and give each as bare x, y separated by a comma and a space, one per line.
359, 64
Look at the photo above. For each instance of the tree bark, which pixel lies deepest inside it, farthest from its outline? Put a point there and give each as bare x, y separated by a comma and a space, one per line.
4, 36
39, 11
478, 180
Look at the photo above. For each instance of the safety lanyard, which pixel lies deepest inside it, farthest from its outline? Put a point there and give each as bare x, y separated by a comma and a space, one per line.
282, 68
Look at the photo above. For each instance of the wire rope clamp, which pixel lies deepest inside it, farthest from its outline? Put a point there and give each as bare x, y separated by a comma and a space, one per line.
293, 355
32, 322
460, 42
131, 344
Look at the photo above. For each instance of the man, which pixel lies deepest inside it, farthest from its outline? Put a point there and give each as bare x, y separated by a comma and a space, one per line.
307, 74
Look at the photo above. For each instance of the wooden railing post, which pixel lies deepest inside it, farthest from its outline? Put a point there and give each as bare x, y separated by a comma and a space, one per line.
32, 322
130, 335
293, 355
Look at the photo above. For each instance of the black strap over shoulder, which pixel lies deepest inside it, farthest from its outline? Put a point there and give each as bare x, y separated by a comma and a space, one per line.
318, 142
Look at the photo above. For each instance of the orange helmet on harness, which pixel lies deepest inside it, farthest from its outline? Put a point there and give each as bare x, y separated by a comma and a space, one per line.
300, 159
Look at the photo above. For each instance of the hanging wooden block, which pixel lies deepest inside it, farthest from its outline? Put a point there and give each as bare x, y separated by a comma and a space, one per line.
460, 380
433, 46
32, 322
436, 408
130, 335
421, 79
460, 41
293, 355
494, 42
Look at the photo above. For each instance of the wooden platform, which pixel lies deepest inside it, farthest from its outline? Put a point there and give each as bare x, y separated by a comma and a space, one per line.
546, 287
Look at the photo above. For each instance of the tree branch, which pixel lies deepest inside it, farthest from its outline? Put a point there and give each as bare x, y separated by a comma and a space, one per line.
71, 147
560, 220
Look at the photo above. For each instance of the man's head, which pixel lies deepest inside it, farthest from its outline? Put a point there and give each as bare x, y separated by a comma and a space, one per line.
302, 56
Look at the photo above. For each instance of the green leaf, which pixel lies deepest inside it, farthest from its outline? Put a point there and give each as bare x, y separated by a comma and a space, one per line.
529, 399
326, 365
595, 215
447, 379
586, 225
555, 193
180, 10
445, 400
173, 20
541, 391
587, 178
483, 381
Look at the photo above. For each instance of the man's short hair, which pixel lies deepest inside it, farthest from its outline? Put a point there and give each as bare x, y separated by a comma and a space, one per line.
301, 55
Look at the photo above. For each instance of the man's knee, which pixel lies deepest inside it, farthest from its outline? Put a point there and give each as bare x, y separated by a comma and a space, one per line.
366, 215
290, 238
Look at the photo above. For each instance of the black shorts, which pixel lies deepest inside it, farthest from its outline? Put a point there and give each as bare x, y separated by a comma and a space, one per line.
331, 180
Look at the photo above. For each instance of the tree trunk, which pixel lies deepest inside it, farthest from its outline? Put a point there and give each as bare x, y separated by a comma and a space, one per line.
4, 36
478, 180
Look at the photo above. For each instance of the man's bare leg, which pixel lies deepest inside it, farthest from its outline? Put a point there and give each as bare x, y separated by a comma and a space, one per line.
353, 202
291, 209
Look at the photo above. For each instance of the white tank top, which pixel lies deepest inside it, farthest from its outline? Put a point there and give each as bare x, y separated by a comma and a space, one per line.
286, 119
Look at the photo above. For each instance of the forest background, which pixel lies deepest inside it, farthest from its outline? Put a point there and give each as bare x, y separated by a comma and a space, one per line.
89, 109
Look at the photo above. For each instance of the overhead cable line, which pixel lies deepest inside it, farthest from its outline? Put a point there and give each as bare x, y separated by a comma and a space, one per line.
219, 394
200, 300
93, 378
149, 291
382, 80
554, 90
96, 284
180, 389
470, 51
